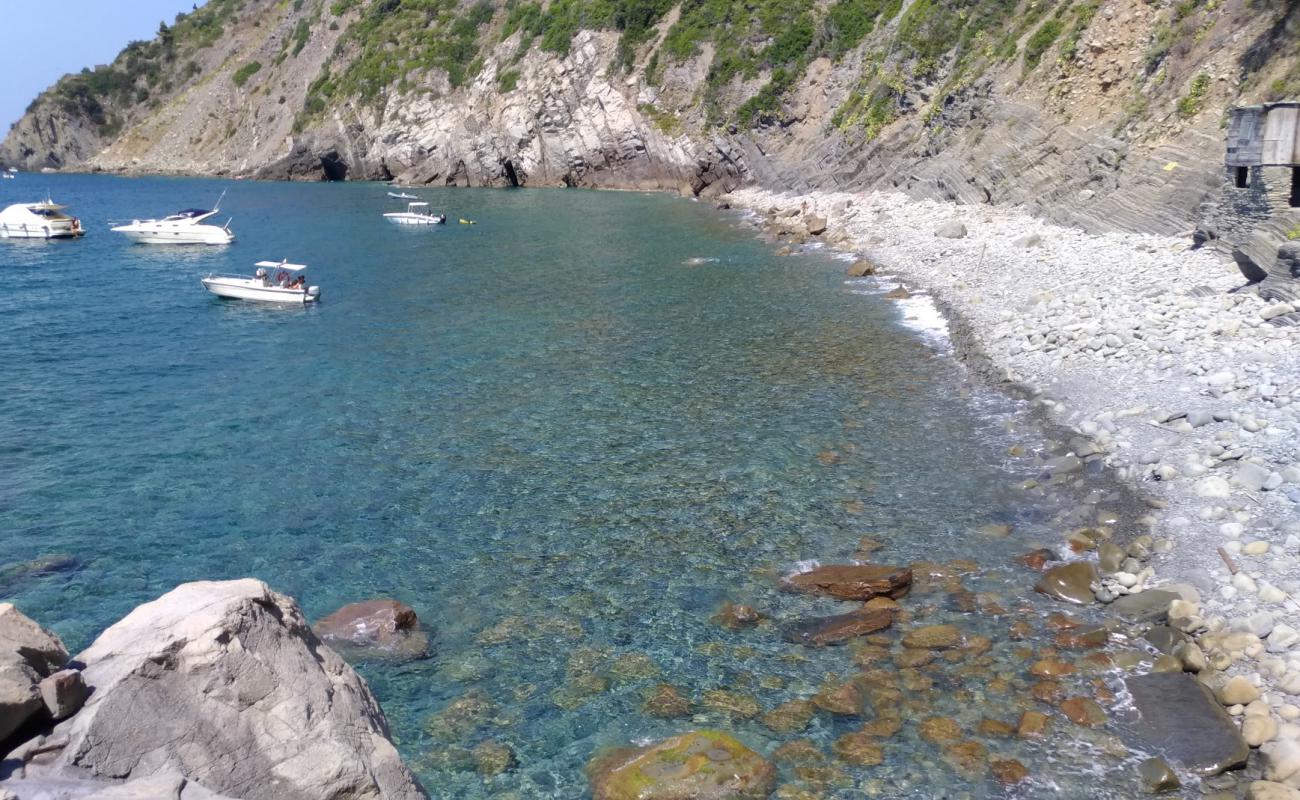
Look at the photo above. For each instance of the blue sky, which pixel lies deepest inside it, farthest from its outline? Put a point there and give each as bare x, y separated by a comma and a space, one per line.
41, 41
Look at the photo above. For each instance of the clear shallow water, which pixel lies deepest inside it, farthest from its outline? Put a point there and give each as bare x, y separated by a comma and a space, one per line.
554, 436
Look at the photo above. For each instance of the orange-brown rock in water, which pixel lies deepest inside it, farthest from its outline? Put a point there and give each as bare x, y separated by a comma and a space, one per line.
790, 717
385, 627
845, 699
735, 616
1083, 711
824, 631
1009, 771
884, 727
1036, 559
934, 637
1032, 724
966, 757
708, 765
1047, 691
940, 729
666, 702
851, 581
995, 727
1049, 668
860, 749
800, 751
735, 704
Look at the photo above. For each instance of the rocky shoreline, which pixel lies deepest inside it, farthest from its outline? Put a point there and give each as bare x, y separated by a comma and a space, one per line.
1169, 373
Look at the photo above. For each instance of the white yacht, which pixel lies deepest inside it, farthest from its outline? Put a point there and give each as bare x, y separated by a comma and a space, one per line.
402, 196
184, 227
43, 220
273, 282
415, 214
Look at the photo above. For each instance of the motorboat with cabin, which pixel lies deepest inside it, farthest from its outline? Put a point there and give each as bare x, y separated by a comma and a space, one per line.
402, 196
273, 282
415, 214
184, 227
43, 220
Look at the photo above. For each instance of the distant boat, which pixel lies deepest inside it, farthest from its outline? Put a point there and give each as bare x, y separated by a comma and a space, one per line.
43, 220
183, 227
415, 214
7, 176
402, 196
464, 221
287, 285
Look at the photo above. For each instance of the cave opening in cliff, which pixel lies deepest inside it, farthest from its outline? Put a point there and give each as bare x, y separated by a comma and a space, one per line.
1295, 187
1243, 177
511, 177
333, 167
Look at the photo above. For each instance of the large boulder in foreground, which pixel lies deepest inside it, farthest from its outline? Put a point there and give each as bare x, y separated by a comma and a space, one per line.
697, 765
28, 653
383, 628
1182, 721
225, 683
851, 581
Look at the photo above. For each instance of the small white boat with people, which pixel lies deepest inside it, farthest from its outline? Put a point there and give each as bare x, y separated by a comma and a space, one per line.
184, 227
273, 282
43, 220
402, 196
415, 214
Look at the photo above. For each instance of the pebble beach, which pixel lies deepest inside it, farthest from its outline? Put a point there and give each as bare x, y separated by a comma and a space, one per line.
1164, 369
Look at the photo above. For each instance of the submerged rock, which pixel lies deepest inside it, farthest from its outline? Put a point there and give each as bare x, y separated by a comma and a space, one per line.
385, 627
1182, 721
702, 765
852, 581
934, 637
735, 616
1069, 582
666, 702
238, 694
840, 628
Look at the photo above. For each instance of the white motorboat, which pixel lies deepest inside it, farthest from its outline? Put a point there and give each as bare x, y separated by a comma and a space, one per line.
415, 214
43, 220
184, 227
273, 282
402, 196
8, 176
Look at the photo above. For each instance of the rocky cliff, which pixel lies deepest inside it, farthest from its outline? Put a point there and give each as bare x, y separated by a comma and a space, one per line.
1100, 113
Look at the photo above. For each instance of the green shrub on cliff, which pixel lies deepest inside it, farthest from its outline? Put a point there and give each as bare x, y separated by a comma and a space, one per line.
1039, 43
241, 75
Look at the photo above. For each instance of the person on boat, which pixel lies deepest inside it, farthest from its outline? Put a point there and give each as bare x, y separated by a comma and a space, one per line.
261, 275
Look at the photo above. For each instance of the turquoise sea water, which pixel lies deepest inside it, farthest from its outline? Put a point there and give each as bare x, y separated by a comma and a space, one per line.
557, 434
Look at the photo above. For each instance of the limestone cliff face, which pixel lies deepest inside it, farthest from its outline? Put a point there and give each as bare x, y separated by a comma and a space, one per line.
1100, 113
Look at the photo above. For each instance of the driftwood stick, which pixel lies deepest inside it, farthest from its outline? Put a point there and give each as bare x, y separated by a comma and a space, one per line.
1227, 559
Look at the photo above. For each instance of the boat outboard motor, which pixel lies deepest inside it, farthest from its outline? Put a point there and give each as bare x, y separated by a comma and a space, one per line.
313, 294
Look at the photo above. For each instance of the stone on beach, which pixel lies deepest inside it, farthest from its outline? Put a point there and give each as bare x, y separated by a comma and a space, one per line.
851, 581
951, 230
1157, 776
1069, 582
862, 268
1268, 790
384, 627
706, 764
63, 693
239, 695
1182, 721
